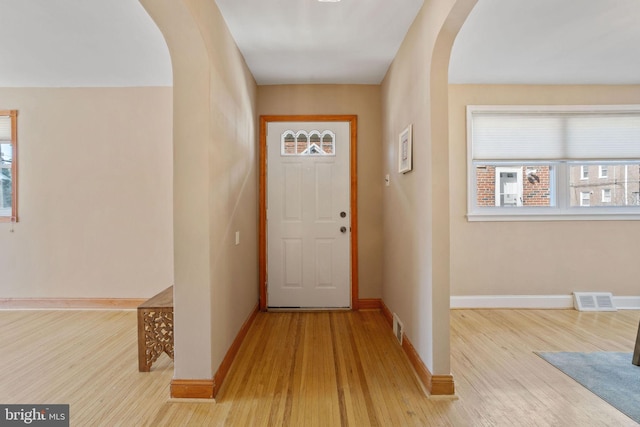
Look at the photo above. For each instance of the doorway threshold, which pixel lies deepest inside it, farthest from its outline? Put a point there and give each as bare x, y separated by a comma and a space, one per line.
306, 309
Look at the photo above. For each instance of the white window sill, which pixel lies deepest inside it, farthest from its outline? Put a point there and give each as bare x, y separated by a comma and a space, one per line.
552, 216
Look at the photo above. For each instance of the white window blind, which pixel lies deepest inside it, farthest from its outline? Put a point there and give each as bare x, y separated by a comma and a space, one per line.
501, 136
5, 128
562, 135
605, 136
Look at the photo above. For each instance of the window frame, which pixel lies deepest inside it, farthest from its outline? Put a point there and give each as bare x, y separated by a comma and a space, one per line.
584, 172
585, 201
560, 201
602, 172
309, 146
13, 115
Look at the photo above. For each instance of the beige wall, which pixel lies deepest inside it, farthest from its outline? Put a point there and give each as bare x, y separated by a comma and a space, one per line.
416, 204
536, 258
215, 184
95, 194
364, 101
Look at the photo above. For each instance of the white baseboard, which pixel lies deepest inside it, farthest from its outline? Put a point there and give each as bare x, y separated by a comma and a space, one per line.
532, 301
626, 303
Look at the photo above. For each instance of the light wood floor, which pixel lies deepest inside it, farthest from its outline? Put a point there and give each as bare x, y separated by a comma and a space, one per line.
324, 369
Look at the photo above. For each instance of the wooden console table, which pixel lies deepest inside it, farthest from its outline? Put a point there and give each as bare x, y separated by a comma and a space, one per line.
155, 329
636, 352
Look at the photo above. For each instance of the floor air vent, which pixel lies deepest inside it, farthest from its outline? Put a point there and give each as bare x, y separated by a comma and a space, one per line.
398, 328
593, 301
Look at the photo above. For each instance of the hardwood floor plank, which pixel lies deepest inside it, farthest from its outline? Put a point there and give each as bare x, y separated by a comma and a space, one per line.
354, 398
322, 369
495, 366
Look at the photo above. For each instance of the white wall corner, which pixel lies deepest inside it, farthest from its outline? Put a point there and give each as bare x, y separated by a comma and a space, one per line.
532, 301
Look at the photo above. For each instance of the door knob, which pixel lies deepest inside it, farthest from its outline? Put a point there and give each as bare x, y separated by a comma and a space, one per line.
343, 229
343, 214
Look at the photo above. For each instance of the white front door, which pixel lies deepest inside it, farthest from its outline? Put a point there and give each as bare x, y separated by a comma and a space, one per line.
308, 215
508, 186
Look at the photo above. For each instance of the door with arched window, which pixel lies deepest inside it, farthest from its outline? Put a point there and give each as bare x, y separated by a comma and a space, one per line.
308, 214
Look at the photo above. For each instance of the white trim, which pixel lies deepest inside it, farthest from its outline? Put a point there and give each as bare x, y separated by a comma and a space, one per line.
512, 301
532, 301
627, 303
598, 108
541, 216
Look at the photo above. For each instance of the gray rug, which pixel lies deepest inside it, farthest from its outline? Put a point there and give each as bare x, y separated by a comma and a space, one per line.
609, 375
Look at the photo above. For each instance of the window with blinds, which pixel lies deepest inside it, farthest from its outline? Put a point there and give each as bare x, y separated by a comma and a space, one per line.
528, 162
8, 165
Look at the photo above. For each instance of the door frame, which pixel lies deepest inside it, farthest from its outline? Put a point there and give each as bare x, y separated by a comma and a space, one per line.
262, 240
498, 185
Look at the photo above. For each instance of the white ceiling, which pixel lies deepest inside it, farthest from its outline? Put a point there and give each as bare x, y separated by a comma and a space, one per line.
549, 42
306, 41
63, 43
60, 43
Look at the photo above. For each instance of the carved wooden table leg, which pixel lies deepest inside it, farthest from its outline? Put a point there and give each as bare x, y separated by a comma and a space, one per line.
636, 352
155, 329
157, 337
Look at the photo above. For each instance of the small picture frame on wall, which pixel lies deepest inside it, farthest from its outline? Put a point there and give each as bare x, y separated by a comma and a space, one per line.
405, 150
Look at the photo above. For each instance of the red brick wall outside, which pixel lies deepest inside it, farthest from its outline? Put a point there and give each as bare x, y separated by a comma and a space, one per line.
536, 186
536, 189
486, 184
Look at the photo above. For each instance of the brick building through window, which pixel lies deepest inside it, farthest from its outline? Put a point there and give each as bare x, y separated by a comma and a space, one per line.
513, 185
